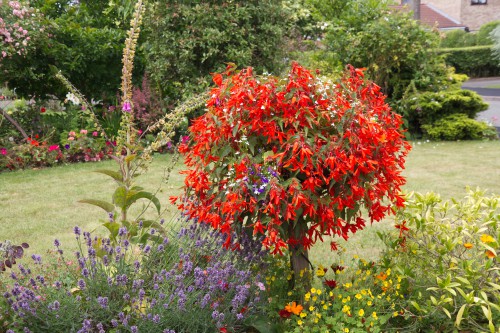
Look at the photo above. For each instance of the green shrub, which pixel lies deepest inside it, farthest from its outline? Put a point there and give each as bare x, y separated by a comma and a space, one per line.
449, 252
475, 61
458, 38
459, 127
186, 41
428, 107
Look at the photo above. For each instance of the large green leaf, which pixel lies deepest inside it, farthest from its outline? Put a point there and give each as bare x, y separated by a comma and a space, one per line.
108, 207
113, 174
144, 195
120, 197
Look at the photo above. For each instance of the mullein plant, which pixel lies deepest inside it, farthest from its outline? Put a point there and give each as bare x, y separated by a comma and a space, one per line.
169, 286
132, 158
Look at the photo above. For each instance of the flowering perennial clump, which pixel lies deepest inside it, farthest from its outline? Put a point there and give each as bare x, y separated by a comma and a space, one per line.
293, 159
185, 283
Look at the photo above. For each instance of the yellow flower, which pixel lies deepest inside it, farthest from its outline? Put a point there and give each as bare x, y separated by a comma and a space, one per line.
346, 330
313, 290
318, 291
289, 293
315, 298
346, 309
468, 245
318, 315
325, 307
331, 294
485, 238
307, 296
395, 314
358, 296
320, 271
303, 315
348, 285
311, 308
374, 315
316, 320
369, 303
361, 312
300, 322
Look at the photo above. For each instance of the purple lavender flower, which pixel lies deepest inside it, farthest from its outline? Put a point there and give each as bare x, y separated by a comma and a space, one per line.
134, 329
37, 258
81, 284
57, 243
103, 302
77, 231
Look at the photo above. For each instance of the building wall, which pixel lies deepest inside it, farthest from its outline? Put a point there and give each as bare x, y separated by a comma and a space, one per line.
450, 7
474, 16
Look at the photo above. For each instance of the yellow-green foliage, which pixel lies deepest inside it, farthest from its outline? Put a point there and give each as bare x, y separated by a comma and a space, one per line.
450, 255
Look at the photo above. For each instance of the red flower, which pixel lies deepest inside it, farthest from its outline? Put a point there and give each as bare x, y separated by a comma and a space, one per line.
223, 330
267, 149
42, 109
284, 313
330, 283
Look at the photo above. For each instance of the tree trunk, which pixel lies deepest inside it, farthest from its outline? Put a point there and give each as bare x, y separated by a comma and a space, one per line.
13, 122
299, 262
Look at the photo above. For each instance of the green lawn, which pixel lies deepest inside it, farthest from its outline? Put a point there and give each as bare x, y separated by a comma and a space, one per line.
38, 206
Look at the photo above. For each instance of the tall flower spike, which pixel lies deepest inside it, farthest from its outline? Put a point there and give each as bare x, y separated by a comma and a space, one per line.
129, 52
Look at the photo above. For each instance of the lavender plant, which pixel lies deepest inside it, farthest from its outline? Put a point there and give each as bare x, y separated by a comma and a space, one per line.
186, 283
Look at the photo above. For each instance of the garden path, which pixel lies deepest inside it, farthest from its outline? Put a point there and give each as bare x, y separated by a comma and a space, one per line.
489, 89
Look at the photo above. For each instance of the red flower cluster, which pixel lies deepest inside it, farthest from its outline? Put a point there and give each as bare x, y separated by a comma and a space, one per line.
276, 155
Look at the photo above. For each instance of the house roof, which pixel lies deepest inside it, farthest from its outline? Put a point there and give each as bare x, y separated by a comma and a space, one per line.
431, 16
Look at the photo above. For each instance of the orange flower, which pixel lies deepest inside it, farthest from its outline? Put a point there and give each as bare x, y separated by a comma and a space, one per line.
490, 254
294, 308
382, 276
468, 245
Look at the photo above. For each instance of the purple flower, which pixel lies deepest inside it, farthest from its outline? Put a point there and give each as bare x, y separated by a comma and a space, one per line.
77, 231
103, 302
66, 146
134, 329
126, 107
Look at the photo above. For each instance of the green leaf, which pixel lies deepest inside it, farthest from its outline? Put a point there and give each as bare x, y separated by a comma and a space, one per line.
120, 197
447, 312
459, 315
144, 195
108, 207
113, 228
130, 158
113, 174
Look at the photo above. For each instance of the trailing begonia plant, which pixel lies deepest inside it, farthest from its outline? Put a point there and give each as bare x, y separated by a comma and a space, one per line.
293, 159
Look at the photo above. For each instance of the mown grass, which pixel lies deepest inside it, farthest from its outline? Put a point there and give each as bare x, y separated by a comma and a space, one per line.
37, 206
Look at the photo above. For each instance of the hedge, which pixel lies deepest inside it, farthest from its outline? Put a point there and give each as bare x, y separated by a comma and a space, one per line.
475, 61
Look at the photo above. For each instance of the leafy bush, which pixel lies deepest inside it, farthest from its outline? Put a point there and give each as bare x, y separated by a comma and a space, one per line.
30, 154
395, 48
475, 61
459, 127
495, 35
449, 253
184, 283
462, 39
427, 107
186, 41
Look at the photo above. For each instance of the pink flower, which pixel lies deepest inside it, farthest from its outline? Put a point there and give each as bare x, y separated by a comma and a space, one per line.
71, 138
95, 133
126, 107
139, 132
4, 54
3, 151
54, 147
71, 133
83, 131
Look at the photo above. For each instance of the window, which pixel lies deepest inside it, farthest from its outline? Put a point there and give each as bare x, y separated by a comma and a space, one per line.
478, 2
